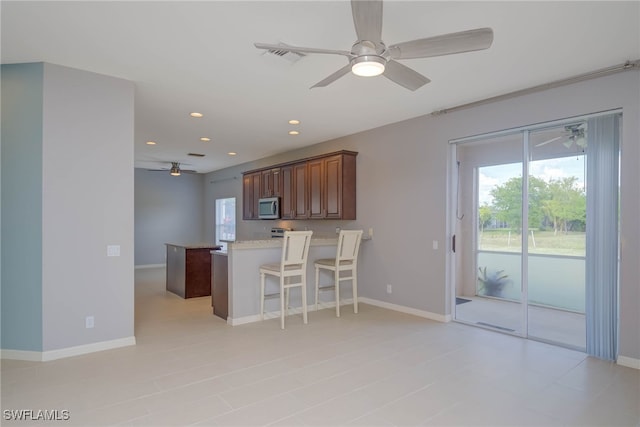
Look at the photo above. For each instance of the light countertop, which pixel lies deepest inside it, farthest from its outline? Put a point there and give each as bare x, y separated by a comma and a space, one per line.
194, 245
276, 242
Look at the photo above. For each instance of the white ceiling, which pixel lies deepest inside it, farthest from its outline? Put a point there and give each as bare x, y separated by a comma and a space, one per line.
199, 56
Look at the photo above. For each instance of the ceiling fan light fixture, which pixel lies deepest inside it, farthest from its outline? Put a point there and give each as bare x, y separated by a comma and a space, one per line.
367, 65
175, 169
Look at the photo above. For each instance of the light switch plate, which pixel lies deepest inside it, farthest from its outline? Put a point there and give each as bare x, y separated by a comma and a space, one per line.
113, 250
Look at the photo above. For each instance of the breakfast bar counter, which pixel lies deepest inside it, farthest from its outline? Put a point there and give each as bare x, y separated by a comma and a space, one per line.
244, 260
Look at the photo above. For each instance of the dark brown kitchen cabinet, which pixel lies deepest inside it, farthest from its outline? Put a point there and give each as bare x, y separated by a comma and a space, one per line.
334, 187
320, 187
316, 195
188, 272
219, 284
270, 183
287, 192
300, 192
251, 187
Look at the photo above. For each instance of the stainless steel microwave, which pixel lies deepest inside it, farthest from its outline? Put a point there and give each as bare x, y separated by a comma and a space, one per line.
269, 208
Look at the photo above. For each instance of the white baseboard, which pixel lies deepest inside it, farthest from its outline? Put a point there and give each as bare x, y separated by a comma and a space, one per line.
629, 362
142, 266
243, 320
292, 310
30, 356
345, 302
45, 356
401, 308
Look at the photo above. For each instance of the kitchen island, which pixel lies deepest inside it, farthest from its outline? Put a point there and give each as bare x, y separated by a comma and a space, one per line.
189, 269
243, 278
219, 284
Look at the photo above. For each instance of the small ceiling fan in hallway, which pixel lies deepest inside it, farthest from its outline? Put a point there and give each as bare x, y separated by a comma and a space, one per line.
175, 169
369, 56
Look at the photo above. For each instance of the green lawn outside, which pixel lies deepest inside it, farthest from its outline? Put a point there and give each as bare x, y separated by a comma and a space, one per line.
571, 243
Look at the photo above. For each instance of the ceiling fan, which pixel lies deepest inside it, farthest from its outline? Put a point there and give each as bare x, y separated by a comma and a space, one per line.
175, 169
573, 134
369, 56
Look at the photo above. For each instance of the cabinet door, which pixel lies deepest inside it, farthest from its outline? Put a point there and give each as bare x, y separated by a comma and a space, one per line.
300, 193
333, 187
247, 197
250, 195
270, 185
277, 182
266, 183
316, 188
255, 177
287, 193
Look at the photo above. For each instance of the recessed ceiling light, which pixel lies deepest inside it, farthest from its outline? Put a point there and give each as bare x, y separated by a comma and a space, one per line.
232, 153
197, 115
294, 122
294, 132
205, 139
151, 143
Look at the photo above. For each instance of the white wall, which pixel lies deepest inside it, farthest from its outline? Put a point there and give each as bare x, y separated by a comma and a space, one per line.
402, 181
75, 139
168, 209
87, 204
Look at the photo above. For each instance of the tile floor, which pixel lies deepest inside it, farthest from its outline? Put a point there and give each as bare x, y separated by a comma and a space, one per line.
376, 368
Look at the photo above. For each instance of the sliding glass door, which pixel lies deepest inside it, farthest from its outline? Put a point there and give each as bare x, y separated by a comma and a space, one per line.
489, 240
522, 231
557, 242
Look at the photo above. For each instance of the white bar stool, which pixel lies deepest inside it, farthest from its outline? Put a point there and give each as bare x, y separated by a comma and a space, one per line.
295, 252
346, 260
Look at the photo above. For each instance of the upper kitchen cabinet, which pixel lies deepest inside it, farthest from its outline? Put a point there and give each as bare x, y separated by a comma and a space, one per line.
287, 207
300, 191
320, 187
339, 184
251, 193
270, 183
316, 204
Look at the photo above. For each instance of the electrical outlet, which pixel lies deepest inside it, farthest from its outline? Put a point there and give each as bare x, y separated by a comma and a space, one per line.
389, 289
89, 322
435, 245
113, 250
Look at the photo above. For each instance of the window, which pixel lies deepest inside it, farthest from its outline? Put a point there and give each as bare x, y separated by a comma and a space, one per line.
225, 221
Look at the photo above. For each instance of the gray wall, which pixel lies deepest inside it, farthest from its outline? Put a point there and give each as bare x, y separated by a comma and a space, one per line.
403, 187
83, 203
22, 206
168, 209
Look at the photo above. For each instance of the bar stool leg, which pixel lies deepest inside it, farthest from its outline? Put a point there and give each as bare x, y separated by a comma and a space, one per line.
282, 298
317, 285
337, 288
262, 295
355, 291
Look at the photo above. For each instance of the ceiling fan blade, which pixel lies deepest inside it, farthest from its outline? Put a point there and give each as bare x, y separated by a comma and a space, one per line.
333, 77
446, 44
549, 141
367, 18
404, 76
298, 49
